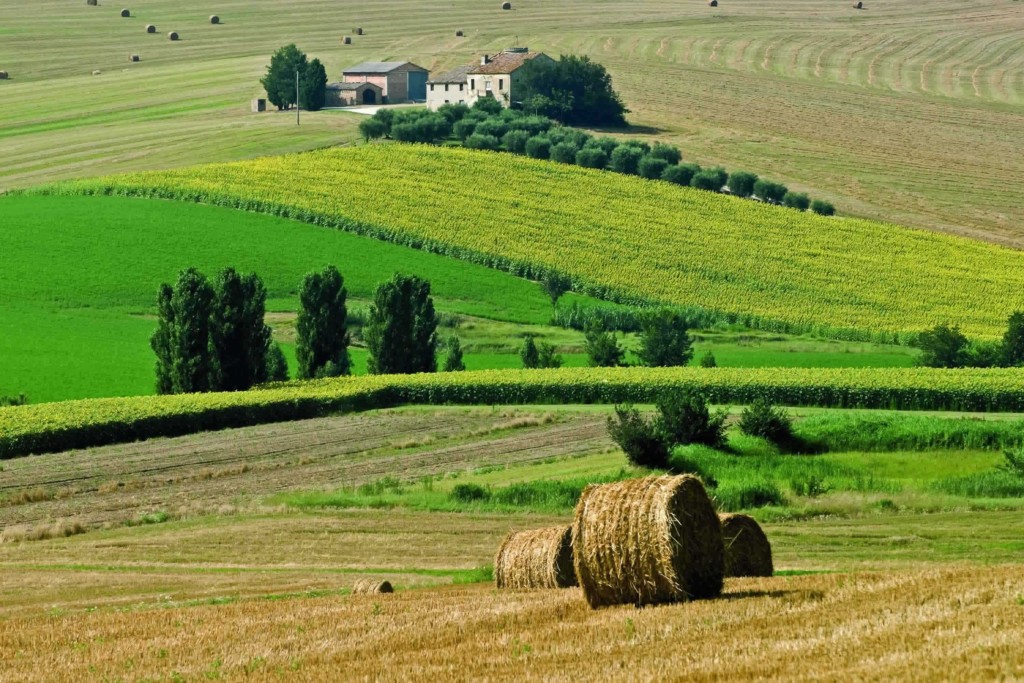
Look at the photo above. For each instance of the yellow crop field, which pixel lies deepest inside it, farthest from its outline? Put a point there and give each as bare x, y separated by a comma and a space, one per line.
624, 237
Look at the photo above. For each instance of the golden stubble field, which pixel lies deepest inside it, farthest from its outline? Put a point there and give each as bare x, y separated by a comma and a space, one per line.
904, 111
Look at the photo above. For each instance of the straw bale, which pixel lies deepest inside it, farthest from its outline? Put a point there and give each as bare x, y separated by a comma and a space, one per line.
214, 19
747, 550
173, 35
540, 558
371, 587
125, 13
150, 28
647, 541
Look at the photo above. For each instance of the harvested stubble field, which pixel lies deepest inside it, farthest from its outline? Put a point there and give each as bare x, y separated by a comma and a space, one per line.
904, 111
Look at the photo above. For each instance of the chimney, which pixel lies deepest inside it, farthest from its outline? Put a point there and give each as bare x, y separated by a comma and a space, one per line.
485, 60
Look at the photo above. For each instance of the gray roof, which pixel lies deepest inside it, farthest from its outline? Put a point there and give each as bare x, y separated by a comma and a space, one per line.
456, 75
351, 86
378, 67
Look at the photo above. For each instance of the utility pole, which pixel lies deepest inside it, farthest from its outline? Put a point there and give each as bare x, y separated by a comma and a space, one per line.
297, 122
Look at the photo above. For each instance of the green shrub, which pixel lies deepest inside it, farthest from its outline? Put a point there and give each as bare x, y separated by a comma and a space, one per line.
639, 438
538, 148
734, 496
652, 168
708, 360
605, 144
591, 157
453, 112
469, 493
493, 126
603, 350
464, 128
664, 340
684, 419
706, 180
770, 192
823, 208
762, 419
515, 141
741, 183
796, 200
478, 141
681, 175
670, 153
626, 159
372, 129
564, 153
995, 484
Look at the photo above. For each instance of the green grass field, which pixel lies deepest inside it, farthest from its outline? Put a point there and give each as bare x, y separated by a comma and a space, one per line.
904, 112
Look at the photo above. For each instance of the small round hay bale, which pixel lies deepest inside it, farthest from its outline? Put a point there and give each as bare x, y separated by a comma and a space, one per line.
713, 3
359, 31
133, 58
647, 541
97, 72
173, 35
506, 5
747, 550
541, 558
459, 34
859, 5
4, 75
92, 3
125, 13
214, 19
150, 28
371, 587
347, 40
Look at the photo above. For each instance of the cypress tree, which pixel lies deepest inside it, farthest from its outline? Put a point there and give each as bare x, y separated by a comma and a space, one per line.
322, 344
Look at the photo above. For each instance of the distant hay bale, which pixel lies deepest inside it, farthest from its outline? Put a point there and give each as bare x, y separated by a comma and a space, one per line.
859, 5
97, 72
506, 5
359, 31
173, 35
126, 13
4, 75
647, 541
540, 558
150, 28
347, 40
459, 34
92, 3
747, 550
713, 3
372, 587
133, 58
214, 19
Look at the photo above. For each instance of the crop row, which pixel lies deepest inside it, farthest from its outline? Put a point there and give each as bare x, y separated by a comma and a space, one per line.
81, 424
623, 238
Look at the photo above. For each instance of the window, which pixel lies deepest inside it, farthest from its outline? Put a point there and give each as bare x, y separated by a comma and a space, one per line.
472, 84
501, 84
446, 87
431, 87
461, 86
447, 102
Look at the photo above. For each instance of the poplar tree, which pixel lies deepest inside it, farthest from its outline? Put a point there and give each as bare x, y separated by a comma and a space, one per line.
401, 330
322, 345
239, 335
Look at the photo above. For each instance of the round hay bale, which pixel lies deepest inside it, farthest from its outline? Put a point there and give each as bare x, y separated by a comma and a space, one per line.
371, 587
347, 40
859, 5
647, 541
126, 13
506, 5
747, 550
713, 3
173, 35
4, 75
214, 19
541, 558
150, 28
97, 72
459, 34
133, 58
92, 3
359, 31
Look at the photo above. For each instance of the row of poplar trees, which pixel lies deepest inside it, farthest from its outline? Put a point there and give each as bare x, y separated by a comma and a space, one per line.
211, 336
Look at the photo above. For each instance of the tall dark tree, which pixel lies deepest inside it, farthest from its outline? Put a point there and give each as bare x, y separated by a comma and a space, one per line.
322, 345
313, 86
279, 81
239, 335
1013, 340
401, 330
943, 347
162, 339
573, 90
192, 360
664, 341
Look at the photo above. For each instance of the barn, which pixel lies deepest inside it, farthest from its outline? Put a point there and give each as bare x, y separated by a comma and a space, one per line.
398, 81
352, 94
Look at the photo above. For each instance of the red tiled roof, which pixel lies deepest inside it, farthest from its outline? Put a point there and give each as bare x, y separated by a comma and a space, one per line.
505, 62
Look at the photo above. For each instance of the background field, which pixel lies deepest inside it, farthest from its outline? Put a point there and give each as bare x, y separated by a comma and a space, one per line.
903, 111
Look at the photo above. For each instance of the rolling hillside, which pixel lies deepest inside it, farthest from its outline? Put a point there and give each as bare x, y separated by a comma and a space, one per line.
624, 237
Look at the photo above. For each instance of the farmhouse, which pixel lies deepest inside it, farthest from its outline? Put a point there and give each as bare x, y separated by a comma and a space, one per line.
493, 76
352, 94
451, 87
398, 81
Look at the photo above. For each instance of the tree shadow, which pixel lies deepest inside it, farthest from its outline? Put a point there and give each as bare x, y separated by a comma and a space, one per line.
776, 594
629, 130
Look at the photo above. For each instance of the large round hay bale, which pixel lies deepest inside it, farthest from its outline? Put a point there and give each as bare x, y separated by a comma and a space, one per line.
214, 19
540, 558
125, 13
371, 587
647, 541
4, 75
150, 28
173, 35
506, 5
747, 550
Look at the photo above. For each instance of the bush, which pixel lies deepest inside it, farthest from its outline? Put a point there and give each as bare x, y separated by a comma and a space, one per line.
538, 148
591, 157
652, 168
564, 153
706, 180
664, 341
708, 360
639, 439
534, 125
469, 493
605, 144
372, 128
741, 183
547, 357
603, 350
477, 141
762, 419
453, 112
942, 347
640, 145
681, 175
488, 105
686, 419
453, 360
796, 200
669, 153
626, 159
769, 192
823, 208
493, 126
464, 128
515, 141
